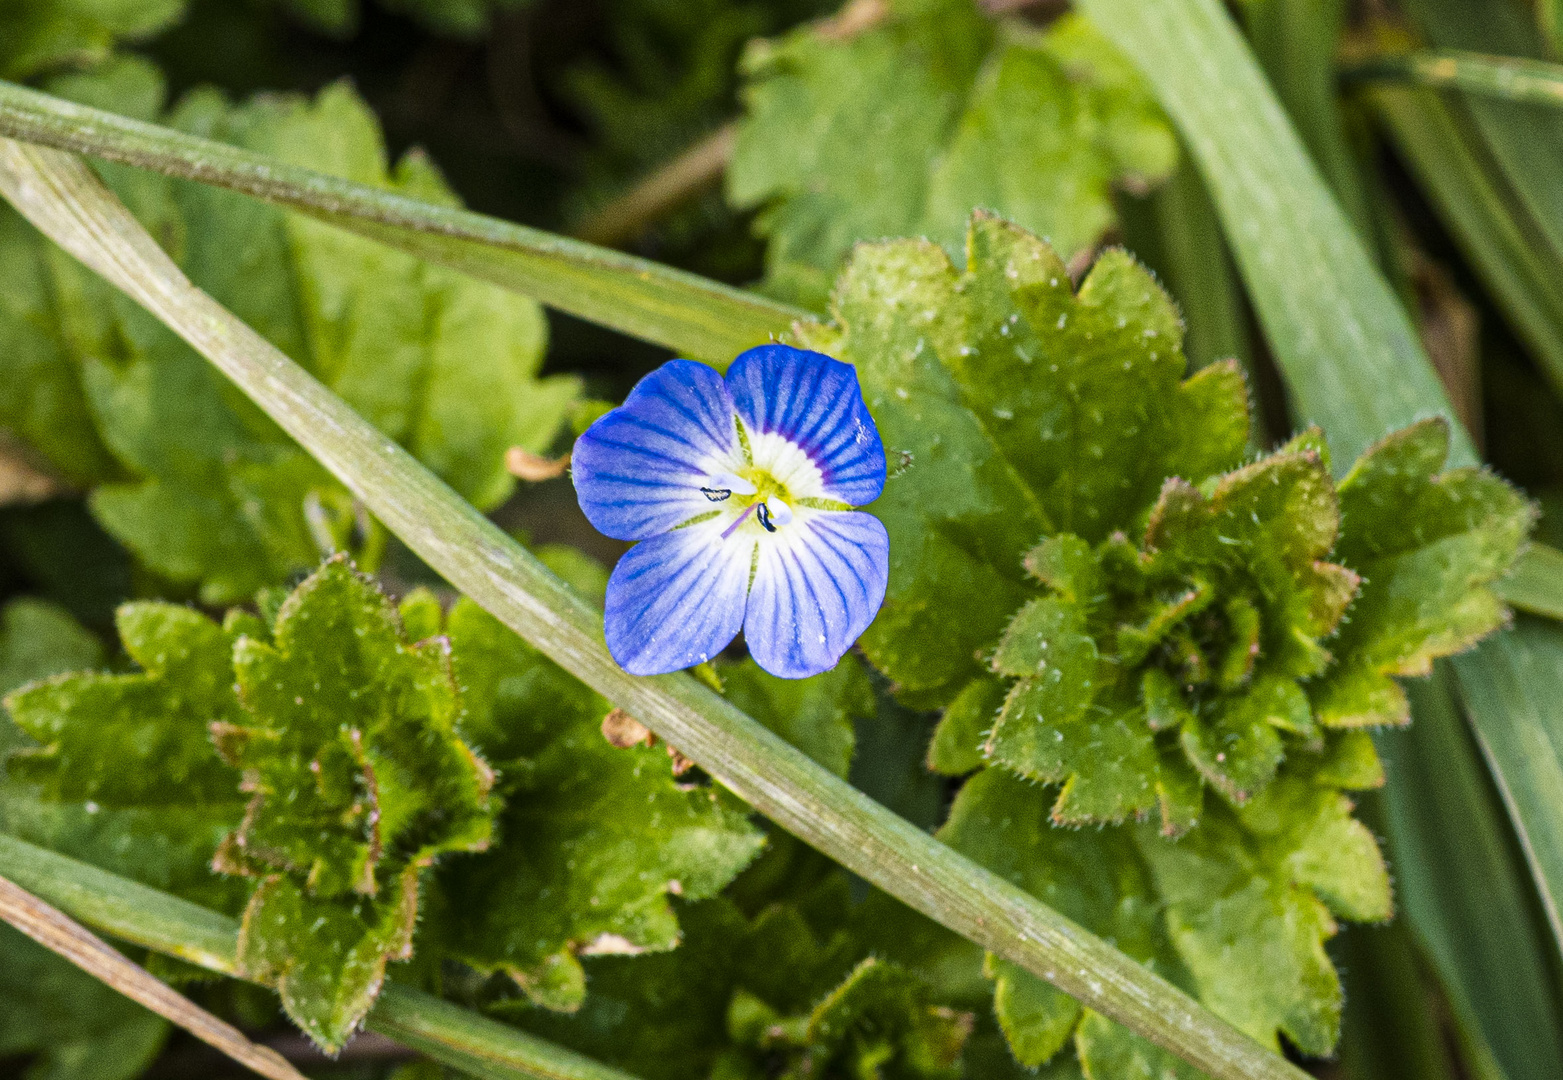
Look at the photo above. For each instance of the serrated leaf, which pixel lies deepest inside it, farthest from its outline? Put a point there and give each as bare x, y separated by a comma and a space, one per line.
958, 516
1059, 730
195, 480
349, 743
1084, 393
126, 777
1428, 544
938, 113
137, 740
790, 994
1249, 896
957, 743
952, 367
595, 839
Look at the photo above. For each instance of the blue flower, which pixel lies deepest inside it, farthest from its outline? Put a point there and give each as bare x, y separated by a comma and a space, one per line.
740, 492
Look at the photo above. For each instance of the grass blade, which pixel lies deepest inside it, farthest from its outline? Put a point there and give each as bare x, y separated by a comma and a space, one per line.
143, 916
1509, 78
69, 204
1463, 888
1490, 224
689, 314
1514, 696
55, 931
1524, 139
1351, 357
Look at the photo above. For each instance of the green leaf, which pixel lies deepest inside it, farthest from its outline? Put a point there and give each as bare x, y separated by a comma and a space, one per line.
1205, 631
1509, 695
816, 715
1514, 141
1439, 141
790, 993
41, 398
43, 33
1095, 878
1535, 584
880, 1018
1107, 1049
937, 112
215, 494
78, 1028
963, 729
945, 359
360, 780
957, 514
437, 360
1250, 896
138, 740
123, 771
1428, 544
1464, 888
39, 639
595, 839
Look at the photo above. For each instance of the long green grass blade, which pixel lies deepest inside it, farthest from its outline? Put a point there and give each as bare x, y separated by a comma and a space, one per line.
1488, 220
69, 204
1463, 887
1352, 364
1351, 356
694, 316
1296, 42
1513, 692
1508, 78
143, 916
1525, 139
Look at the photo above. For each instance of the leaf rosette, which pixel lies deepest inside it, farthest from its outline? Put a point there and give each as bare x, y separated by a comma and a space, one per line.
1119, 605
1185, 653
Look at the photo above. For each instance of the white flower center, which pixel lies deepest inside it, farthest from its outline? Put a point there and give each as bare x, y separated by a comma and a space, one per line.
761, 489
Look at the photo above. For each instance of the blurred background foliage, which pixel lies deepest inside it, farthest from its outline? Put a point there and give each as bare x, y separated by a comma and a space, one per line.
753, 141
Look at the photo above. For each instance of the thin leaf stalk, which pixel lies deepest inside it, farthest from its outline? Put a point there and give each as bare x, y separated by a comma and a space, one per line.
69, 204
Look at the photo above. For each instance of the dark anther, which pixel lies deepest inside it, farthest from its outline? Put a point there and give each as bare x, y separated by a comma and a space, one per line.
717, 494
763, 512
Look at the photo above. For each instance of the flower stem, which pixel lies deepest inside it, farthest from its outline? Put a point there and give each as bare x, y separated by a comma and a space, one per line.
68, 203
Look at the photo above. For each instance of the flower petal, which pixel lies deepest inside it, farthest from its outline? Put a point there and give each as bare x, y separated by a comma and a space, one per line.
676, 600
817, 586
813, 401
639, 469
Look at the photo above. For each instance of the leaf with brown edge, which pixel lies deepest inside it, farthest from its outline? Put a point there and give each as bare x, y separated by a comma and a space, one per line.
359, 779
